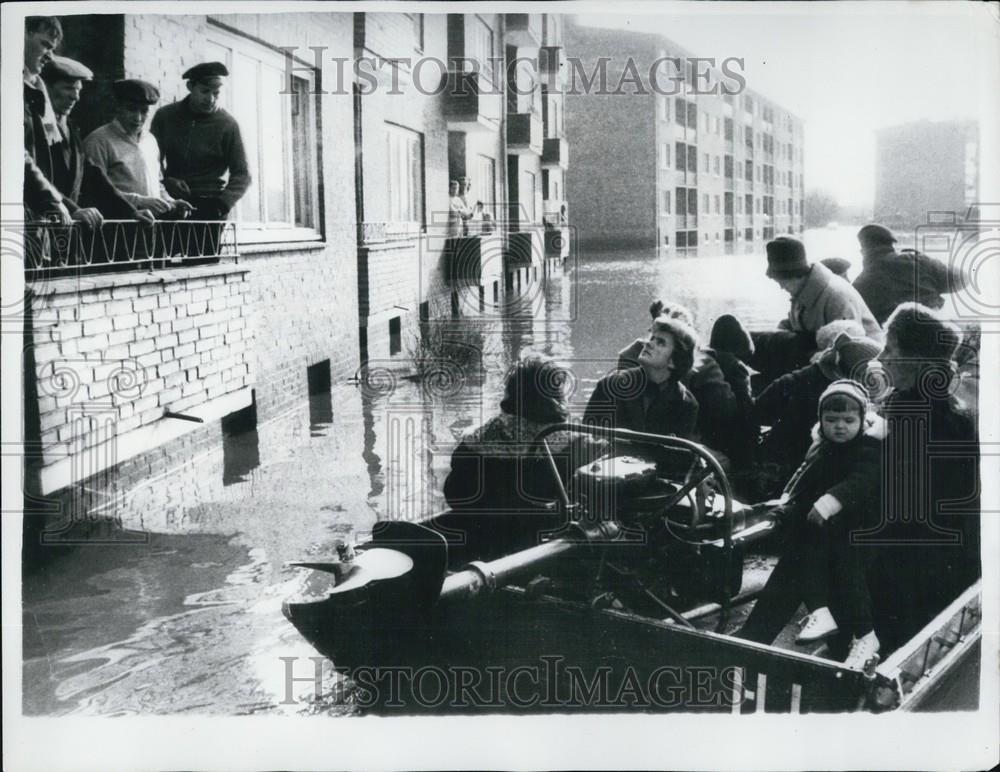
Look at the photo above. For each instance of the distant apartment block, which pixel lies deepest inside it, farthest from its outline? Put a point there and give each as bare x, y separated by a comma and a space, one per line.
925, 167
686, 172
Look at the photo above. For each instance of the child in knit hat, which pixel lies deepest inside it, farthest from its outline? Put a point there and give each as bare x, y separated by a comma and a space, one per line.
834, 491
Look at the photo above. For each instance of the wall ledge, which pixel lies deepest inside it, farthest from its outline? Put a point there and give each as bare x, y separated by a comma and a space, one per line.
114, 450
73, 284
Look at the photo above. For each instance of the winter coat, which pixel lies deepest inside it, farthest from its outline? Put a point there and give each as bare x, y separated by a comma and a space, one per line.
720, 383
500, 484
929, 541
889, 278
824, 298
627, 399
849, 472
788, 405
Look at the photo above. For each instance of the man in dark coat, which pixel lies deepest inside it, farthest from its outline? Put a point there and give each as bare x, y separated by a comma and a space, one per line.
76, 178
42, 34
889, 278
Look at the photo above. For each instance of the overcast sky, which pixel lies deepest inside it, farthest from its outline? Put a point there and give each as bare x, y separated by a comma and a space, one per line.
845, 69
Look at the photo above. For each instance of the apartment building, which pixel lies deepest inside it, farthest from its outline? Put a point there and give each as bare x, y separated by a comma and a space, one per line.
925, 167
682, 173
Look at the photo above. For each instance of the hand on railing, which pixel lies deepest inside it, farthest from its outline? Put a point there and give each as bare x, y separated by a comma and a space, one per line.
58, 214
89, 217
156, 206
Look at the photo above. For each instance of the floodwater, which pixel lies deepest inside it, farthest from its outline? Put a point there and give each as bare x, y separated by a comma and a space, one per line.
179, 609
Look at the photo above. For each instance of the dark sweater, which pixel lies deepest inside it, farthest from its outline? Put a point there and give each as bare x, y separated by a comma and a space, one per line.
889, 278
201, 149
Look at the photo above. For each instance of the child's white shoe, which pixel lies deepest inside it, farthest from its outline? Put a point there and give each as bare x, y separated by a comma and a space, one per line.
818, 624
862, 649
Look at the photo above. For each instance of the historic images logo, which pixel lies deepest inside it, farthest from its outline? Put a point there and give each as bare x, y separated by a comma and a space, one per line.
604, 75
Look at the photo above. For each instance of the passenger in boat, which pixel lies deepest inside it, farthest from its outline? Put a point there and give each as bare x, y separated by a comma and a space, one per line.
928, 534
788, 405
718, 380
497, 471
726, 420
651, 397
833, 493
889, 278
818, 297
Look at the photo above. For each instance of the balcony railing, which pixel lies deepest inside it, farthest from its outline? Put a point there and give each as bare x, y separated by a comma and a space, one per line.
472, 103
524, 134
555, 152
524, 30
54, 249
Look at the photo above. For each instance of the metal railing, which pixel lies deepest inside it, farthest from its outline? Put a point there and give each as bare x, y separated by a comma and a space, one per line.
124, 244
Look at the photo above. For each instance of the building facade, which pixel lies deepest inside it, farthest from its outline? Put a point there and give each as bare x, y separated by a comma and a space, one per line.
925, 167
679, 172
354, 124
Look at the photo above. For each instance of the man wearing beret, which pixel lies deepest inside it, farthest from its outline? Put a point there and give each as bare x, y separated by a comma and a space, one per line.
204, 159
130, 155
76, 178
889, 278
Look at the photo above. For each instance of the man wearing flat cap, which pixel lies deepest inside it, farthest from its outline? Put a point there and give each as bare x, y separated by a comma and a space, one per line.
76, 178
129, 154
203, 155
889, 278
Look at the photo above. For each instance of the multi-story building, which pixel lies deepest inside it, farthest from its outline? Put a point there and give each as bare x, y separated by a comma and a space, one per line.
341, 245
686, 171
925, 167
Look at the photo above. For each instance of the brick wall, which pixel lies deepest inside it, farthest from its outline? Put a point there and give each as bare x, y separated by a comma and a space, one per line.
109, 354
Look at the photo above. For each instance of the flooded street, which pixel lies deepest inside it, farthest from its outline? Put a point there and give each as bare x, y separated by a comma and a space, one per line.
181, 610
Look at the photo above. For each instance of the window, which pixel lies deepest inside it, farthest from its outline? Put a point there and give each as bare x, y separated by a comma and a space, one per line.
717, 205
405, 179
692, 112
704, 162
748, 171
680, 111
279, 132
481, 47
664, 156
485, 184
692, 201
704, 203
692, 158
715, 165
666, 202
681, 196
727, 167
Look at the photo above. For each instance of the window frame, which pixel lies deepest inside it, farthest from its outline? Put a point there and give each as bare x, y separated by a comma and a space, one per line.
405, 132
264, 233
